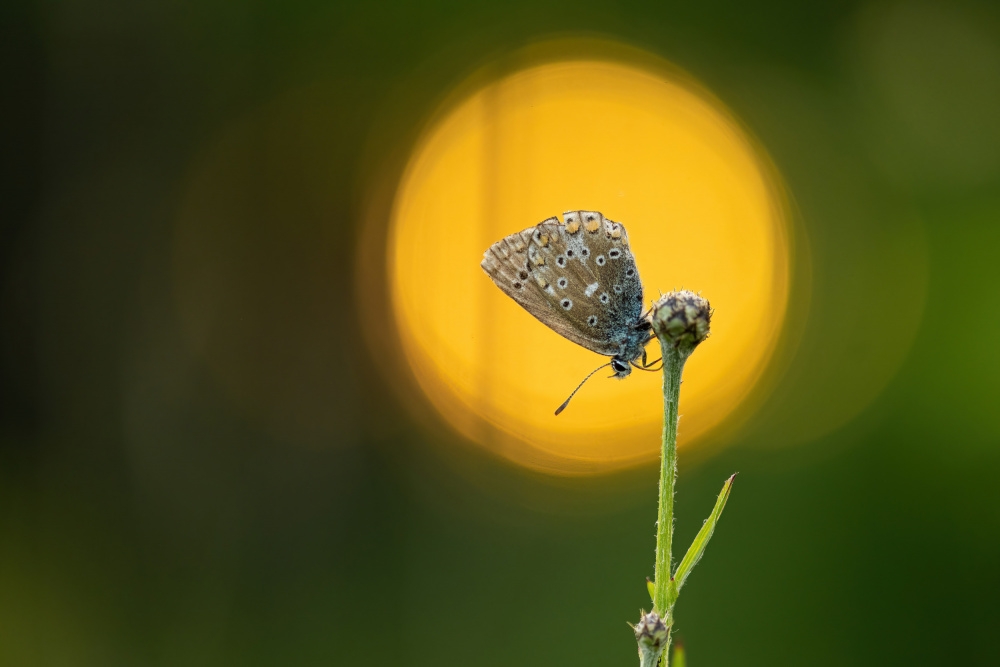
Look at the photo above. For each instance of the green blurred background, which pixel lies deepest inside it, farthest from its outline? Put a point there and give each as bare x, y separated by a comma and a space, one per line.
199, 464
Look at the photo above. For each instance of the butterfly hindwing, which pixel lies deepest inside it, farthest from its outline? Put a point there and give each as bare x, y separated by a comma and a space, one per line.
577, 276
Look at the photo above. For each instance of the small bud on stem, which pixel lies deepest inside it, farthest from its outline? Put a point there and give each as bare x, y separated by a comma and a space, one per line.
682, 319
652, 635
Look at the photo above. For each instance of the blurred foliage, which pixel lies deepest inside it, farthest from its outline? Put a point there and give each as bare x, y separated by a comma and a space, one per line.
198, 465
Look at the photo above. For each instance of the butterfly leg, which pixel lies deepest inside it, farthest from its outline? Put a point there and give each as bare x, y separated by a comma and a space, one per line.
646, 366
649, 366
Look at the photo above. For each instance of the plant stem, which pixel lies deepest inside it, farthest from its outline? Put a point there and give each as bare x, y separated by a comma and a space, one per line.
649, 658
681, 321
673, 365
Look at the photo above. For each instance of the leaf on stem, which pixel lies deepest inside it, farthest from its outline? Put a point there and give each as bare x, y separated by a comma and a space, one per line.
678, 659
697, 548
650, 587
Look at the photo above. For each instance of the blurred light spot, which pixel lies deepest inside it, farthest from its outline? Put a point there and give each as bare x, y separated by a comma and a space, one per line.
645, 146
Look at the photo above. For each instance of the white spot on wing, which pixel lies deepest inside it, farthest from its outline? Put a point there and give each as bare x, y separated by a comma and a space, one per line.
591, 288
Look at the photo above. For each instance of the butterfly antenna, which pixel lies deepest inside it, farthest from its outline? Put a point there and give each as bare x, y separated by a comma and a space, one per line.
563, 406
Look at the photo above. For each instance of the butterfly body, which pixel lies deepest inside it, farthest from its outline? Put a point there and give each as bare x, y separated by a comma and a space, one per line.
579, 278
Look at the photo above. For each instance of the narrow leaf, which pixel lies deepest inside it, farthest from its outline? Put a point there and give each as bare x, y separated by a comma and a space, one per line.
649, 587
697, 548
679, 659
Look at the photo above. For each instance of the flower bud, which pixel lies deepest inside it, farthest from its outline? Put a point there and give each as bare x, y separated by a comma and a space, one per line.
682, 319
651, 632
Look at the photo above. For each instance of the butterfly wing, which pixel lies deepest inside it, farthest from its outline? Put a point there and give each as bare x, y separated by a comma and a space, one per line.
578, 277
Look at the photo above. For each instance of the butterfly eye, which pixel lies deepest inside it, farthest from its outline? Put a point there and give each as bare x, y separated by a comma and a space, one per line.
619, 366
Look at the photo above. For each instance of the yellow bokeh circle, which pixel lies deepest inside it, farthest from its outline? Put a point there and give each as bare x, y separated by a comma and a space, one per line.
645, 146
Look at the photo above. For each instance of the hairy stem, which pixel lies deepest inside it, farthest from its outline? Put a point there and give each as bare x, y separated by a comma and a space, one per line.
650, 658
673, 364
681, 321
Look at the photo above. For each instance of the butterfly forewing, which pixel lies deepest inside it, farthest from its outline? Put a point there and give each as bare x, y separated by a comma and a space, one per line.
577, 276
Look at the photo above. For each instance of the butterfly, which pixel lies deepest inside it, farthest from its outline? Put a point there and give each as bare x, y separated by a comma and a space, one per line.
579, 278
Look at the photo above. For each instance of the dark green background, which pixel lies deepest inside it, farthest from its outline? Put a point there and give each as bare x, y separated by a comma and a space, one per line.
267, 501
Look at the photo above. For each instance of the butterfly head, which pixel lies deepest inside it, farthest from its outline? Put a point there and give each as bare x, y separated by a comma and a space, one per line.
621, 367
633, 349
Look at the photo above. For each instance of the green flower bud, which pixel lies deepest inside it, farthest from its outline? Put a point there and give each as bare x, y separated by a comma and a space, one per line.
683, 319
651, 632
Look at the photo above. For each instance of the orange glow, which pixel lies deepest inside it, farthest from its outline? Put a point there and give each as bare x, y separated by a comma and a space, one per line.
645, 147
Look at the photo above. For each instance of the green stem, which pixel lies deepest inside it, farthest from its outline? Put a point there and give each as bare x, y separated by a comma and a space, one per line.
650, 658
681, 321
665, 656
663, 593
